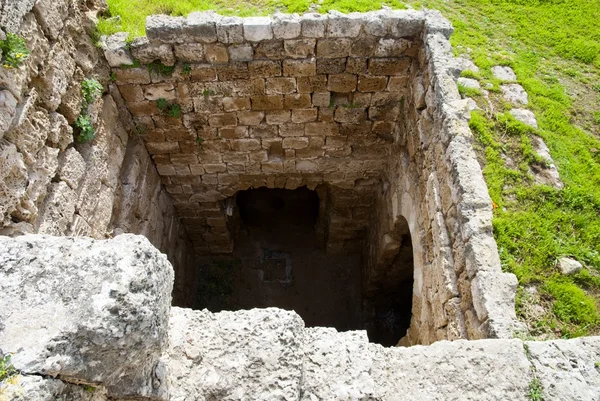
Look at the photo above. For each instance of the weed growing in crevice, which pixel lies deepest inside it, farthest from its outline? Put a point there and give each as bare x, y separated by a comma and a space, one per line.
534, 392
14, 51
200, 142
7, 370
207, 93
91, 90
187, 69
162, 104
172, 109
161, 69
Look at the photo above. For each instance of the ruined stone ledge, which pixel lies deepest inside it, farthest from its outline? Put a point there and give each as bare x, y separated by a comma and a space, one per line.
94, 315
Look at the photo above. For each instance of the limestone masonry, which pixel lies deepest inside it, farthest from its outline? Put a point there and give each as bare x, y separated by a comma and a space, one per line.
129, 344
361, 108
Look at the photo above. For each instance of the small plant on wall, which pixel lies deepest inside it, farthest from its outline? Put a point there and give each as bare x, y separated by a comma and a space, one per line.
172, 109
91, 90
14, 51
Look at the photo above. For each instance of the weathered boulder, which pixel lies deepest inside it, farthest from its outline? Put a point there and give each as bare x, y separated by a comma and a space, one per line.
569, 266
86, 311
244, 355
567, 370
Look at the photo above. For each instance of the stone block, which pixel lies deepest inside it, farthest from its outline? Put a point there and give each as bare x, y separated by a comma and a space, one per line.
270, 49
295, 143
343, 25
286, 130
202, 26
183, 159
271, 102
331, 65
356, 65
391, 47
216, 53
280, 85
51, 333
189, 52
406, 23
286, 26
299, 48
313, 25
163, 28
241, 52
326, 114
250, 117
116, 50
131, 76
230, 30
389, 66
257, 29
397, 83
333, 48
132, 93
342, 83
300, 116
159, 91
244, 145
299, 68
159, 148
265, 68
8, 109
363, 47
278, 117
202, 73
321, 99
297, 101
264, 131
236, 103
231, 71
214, 168
222, 120
321, 129
306, 166
272, 166
233, 132
350, 115
369, 83
147, 52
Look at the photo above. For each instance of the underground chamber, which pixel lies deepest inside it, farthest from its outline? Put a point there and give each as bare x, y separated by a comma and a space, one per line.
281, 258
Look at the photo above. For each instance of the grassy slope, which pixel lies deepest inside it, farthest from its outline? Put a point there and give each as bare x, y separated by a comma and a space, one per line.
554, 47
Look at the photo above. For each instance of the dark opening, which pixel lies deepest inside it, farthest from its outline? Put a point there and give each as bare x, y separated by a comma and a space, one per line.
276, 209
388, 310
279, 260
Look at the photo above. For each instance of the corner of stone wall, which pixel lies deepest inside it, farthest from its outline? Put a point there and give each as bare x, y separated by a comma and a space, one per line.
52, 184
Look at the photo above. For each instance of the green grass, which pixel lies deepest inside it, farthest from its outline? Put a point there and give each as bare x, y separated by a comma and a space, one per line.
546, 42
552, 45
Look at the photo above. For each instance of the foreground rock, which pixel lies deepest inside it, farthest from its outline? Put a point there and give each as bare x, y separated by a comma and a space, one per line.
86, 320
267, 354
86, 311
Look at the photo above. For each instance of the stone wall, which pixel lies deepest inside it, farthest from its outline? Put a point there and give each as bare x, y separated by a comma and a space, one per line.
363, 107
130, 344
437, 193
52, 184
277, 103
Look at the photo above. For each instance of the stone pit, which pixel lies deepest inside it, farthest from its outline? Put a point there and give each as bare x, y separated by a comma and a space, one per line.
324, 160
